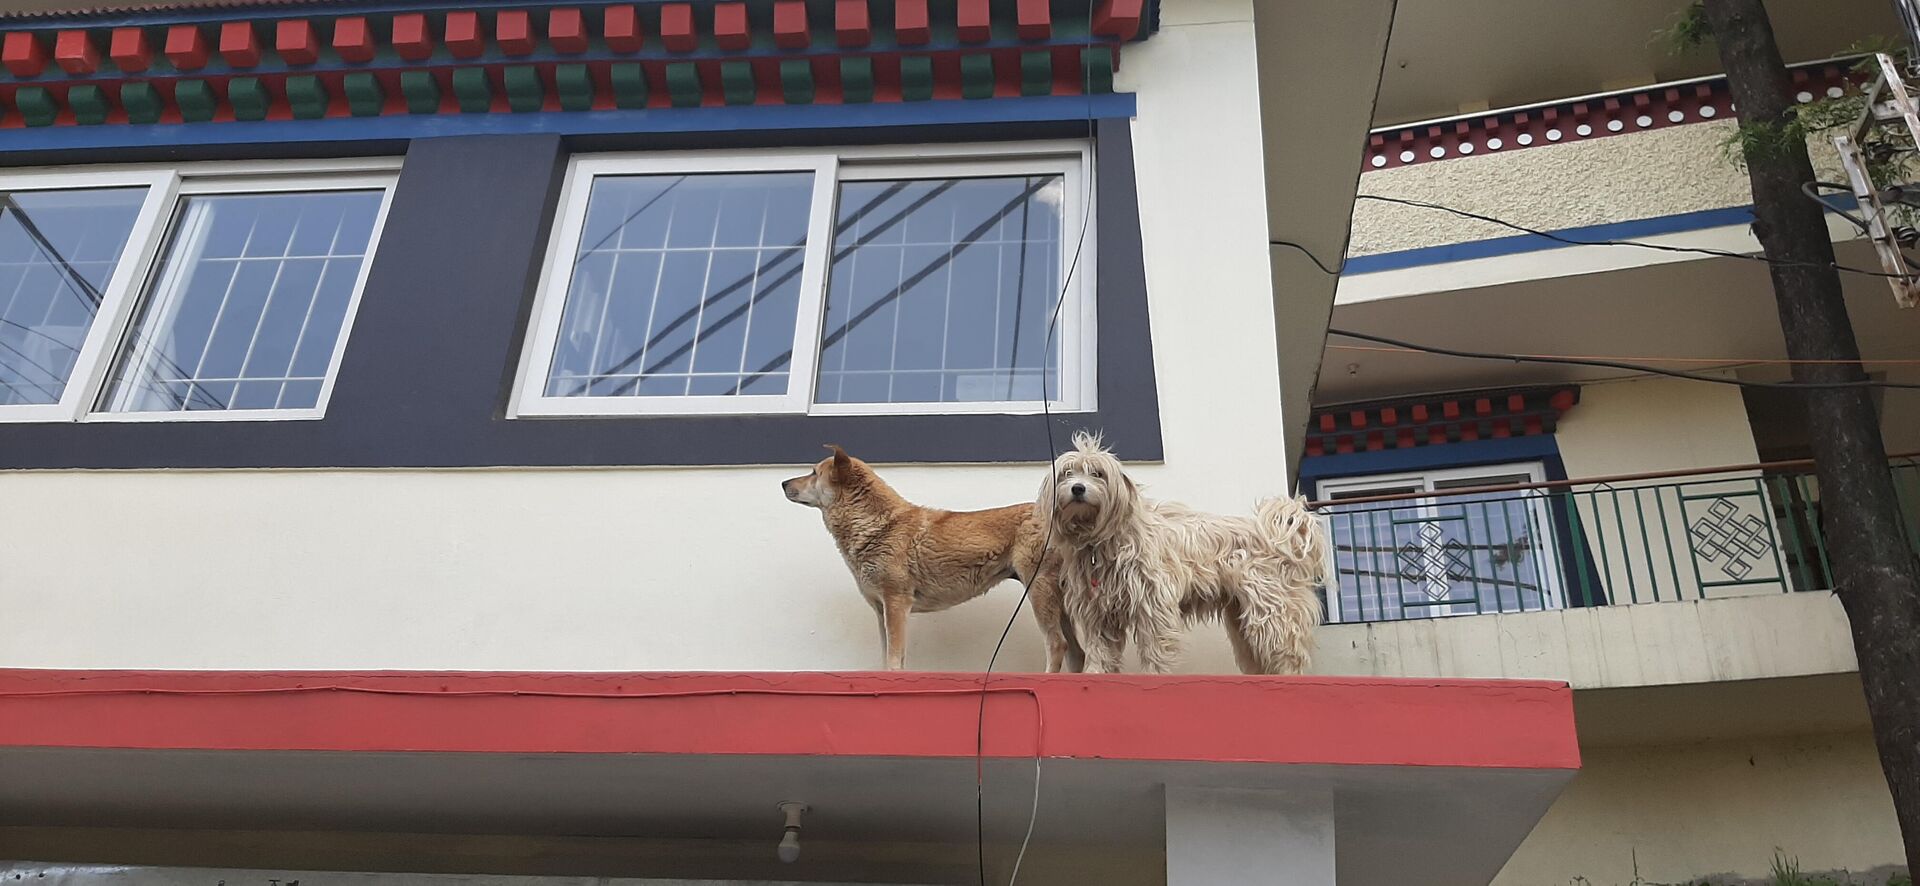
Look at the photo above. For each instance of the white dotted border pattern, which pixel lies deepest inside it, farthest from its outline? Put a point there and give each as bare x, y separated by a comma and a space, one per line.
1655, 107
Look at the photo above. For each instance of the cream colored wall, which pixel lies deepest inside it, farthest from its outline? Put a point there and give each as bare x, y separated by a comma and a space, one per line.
654, 569
1654, 425
1636, 533
1650, 425
1603, 647
1573, 183
1674, 814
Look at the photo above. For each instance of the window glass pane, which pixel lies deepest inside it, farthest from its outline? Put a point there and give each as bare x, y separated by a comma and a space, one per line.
940, 291
1452, 555
1499, 543
57, 251
248, 304
1488, 480
684, 285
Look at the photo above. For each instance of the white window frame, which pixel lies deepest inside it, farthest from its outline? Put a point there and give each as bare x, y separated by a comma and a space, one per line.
134, 277
1552, 593
830, 167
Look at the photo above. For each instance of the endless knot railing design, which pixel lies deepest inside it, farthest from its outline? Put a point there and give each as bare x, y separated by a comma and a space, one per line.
1436, 560
1726, 533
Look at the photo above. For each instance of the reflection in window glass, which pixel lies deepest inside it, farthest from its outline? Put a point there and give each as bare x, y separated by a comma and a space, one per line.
1453, 555
940, 291
684, 285
58, 249
248, 304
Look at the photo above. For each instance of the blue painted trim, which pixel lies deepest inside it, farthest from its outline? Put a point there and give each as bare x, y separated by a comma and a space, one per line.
1538, 447
402, 127
1521, 243
1637, 229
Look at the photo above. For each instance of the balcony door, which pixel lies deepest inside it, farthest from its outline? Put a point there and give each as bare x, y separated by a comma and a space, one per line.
1425, 556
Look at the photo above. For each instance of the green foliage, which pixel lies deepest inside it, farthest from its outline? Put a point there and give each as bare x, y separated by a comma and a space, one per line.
1889, 150
1689, 30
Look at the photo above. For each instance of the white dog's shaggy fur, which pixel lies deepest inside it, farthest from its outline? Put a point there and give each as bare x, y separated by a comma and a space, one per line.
1137, 569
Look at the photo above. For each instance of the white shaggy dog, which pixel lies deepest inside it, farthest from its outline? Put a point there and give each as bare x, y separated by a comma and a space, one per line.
1137, 569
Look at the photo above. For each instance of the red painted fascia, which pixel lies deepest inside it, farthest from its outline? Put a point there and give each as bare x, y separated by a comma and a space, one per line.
1281, 720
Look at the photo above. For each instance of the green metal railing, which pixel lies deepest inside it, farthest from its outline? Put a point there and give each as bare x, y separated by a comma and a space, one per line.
1689, 536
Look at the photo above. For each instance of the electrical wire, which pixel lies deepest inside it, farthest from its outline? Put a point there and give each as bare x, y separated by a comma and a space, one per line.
1331, 272
1046, 544
1739, 361
1814, 190
1046, 540
1616, 364
1659, 247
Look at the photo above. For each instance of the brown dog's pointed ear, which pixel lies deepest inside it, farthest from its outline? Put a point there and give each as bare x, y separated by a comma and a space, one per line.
842, 464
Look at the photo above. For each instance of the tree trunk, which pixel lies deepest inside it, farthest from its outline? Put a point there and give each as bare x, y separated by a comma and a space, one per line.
1875, 573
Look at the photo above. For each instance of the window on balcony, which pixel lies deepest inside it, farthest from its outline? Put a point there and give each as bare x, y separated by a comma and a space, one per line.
217, 291
848, 282
1422, 556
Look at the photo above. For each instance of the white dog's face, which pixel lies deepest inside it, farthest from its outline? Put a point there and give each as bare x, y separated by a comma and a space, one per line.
1087, 490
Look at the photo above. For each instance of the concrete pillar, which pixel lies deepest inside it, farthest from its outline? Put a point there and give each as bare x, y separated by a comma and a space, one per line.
1218, 836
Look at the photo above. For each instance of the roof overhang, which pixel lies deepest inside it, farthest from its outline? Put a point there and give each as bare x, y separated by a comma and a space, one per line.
1320, 69
1435, 781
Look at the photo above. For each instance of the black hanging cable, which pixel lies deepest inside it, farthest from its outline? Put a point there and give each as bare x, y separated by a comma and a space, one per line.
1558, 238
1046, 543
1613, 364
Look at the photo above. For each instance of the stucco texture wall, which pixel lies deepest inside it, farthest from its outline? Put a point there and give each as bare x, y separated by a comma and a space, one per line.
1681, 813
1552, 187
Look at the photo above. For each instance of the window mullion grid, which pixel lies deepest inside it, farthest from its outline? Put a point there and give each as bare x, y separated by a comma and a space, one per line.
178, 299
266, 307
606, 295
706, 288
300, 338
753, 294
653, 305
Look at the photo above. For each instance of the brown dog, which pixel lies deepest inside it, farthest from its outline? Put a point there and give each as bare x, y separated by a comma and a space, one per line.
906, 558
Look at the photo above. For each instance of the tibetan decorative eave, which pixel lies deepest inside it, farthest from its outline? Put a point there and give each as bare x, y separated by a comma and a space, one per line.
1636, 110
1429, 421
307, 61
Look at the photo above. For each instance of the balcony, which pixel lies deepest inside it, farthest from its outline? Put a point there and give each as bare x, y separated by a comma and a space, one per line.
1661, 579
1569, 544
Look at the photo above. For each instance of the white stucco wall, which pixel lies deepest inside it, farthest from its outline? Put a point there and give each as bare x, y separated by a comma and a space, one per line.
654, 569
1677, 814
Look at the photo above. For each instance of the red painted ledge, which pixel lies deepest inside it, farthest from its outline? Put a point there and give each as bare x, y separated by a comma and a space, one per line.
1282, 720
